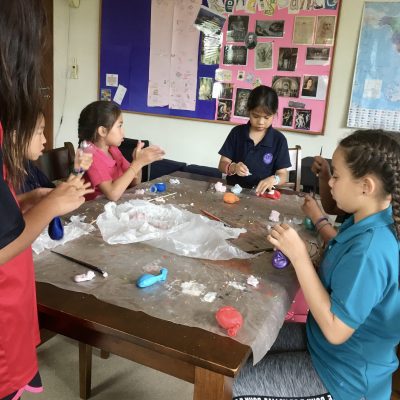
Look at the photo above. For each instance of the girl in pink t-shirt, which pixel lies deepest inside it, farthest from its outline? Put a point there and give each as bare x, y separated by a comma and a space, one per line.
110, 173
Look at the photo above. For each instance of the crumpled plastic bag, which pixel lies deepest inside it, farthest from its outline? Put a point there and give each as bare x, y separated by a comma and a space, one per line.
169, 228
73, 230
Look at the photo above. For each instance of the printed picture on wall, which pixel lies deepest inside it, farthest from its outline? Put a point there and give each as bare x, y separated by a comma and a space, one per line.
317, 55
105, 94
303, 30
237, 28
263, 55
209, 22
242, 95
287, 58
319, 4
210, 49
286, 86
325, 30
235, 55
222, 90
223, 75
205, 88
287, 117
310, 85
224, 109
250, 40
303, 119
270, 28
331, 4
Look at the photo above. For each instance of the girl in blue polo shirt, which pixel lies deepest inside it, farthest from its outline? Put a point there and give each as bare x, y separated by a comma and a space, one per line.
255, 154
354, 321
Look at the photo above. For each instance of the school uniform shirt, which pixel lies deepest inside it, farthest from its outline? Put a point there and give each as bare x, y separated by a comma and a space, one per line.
105, 169
35, 179
360, 271
262, 160
19, 331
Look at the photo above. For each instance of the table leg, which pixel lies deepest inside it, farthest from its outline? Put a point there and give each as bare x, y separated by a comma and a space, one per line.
209, 385
85, 370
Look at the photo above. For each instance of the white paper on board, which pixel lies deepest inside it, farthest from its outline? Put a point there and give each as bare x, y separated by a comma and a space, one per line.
120, 94
112, 80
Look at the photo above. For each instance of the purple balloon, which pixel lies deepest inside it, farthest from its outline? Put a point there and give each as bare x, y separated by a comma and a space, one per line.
279, 260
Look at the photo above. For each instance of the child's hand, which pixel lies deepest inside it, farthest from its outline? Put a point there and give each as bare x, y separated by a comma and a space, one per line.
83, 161
68, 196
320, 167
311, 208
265, 185
241, 169
137, 149
287, 240
149, 154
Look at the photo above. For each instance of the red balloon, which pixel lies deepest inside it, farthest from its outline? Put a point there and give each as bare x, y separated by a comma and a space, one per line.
275, 195
229, 318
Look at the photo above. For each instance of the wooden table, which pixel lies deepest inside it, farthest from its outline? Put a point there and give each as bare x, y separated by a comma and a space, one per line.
207, 360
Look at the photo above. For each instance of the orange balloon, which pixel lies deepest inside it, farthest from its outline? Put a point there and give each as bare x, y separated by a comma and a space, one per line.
230, 198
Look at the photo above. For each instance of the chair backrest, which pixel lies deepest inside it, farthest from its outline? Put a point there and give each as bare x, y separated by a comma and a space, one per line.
127, 147
295, 169
57, 163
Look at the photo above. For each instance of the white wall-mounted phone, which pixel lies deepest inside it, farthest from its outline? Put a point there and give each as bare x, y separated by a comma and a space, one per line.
74, 3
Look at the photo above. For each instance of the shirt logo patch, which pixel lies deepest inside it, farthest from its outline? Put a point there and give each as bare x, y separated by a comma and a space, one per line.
268, 158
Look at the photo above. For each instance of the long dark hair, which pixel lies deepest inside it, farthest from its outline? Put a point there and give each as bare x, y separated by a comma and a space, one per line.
22, 31
93, 116
264, 97
376, 152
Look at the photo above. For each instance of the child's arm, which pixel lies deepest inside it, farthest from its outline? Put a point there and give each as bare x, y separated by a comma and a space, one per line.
267, 183
135, 153
29, 199
322, 226
286, 239
227, 166
113, 190
65, 198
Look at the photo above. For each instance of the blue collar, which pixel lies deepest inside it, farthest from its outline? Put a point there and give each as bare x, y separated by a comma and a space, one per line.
349, 229
266, 141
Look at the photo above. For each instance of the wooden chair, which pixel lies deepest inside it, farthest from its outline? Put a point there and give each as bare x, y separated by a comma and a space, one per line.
57, 163
127, 147
295, 169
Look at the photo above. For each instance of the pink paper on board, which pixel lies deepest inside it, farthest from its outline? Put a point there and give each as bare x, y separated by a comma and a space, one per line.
316, 104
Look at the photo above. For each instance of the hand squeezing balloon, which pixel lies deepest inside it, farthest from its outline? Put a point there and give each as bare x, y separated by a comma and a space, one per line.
279, 260
83, 161
83, 157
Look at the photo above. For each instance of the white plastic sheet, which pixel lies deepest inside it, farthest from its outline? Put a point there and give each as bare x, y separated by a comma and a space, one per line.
169, 228
73, 230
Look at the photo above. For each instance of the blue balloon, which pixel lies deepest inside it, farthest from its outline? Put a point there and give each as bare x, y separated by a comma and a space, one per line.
56, 229
308, 224
146, 280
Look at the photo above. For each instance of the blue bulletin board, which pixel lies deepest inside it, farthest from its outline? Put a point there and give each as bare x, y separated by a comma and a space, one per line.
125, 50
293, 52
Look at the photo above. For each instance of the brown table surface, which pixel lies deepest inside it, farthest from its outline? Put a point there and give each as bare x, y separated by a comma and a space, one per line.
207, 360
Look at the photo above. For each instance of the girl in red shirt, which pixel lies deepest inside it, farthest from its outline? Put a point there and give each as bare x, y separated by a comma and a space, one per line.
110, 173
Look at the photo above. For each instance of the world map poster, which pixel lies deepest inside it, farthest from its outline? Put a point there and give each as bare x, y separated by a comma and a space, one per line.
375, 99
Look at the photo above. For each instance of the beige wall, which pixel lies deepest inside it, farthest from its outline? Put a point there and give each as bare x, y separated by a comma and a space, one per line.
184, 140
